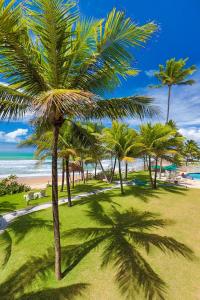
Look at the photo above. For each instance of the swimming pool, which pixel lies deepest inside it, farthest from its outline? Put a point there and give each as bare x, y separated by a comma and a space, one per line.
195, 176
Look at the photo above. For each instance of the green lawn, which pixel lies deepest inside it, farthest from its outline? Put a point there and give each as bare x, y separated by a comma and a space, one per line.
32, 235
14, 202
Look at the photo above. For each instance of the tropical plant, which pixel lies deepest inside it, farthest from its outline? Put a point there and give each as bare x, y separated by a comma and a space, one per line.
191, 151
120, 140
158, 141
174, 73
55, 63
122, 234
10, 185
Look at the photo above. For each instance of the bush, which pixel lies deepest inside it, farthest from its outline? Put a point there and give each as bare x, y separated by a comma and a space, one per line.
9, 186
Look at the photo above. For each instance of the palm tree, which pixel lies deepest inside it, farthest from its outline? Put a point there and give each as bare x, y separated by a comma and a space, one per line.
158, 141
119, 139
174, 73
55, 64
122, 235
191, 151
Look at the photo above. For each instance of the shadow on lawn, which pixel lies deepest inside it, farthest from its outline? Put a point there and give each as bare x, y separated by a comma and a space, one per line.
37, 268
6, 206
24, 225
144, 193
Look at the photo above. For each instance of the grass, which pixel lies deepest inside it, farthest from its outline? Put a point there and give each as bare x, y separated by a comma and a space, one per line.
10, 203
32, 235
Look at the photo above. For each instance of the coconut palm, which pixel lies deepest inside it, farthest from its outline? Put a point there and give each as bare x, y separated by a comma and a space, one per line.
55, 63
122, 235
174, 73
119, 139
191, 151
158, 141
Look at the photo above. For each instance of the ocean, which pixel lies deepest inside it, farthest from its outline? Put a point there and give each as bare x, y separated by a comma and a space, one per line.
24, 165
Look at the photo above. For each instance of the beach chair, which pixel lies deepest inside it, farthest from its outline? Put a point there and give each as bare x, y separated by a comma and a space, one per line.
139, 182
42, 193
28, 197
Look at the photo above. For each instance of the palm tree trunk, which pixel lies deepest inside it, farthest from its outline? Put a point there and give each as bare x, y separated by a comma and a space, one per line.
63, 175
87, 176
160, 168
73, 179
95, 171
103, 171
144, 163
113, 171
150, 172
56, 223
120, 177
126, 170
155, 175
68, 183
147, 163
168, 102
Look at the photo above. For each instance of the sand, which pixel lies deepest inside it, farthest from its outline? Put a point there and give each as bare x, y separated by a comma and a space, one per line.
40, 181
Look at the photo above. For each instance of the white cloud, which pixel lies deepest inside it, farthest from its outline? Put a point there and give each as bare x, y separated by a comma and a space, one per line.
150, 73
13, 136
192, 133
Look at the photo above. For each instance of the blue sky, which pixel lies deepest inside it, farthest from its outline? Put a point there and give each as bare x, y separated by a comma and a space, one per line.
179, 37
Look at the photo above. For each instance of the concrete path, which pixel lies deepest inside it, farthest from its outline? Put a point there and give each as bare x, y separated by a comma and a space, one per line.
7, 218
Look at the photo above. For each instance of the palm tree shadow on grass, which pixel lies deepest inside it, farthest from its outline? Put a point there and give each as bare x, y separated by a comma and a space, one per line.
14, 288
20, 228
68, 293
6, 206
104, 196
26, 224
121, 235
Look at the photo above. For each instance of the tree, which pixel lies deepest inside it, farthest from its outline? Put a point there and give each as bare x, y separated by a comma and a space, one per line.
191, 151
174, 73
158, 141
120, 140
122, 235
55, 64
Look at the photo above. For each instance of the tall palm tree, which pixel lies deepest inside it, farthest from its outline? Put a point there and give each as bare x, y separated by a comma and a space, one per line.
158, 141
119, 138
174, 73
55, 63
122, 235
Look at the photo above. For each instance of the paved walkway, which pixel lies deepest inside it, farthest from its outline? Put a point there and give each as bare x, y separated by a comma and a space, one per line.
6, 219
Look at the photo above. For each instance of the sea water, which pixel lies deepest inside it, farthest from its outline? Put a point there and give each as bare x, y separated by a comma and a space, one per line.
24, 164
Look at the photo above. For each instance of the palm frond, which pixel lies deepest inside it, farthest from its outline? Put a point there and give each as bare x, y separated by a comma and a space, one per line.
20, 59
51, 22
133, 106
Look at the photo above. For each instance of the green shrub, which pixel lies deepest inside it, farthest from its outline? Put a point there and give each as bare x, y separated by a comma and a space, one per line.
10, 185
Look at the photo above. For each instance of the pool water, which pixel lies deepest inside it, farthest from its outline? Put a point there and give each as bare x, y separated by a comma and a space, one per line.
195, 176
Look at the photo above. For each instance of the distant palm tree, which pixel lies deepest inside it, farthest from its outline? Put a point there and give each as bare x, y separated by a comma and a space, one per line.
174, 73
122, 234
158, 141
191, 151
120, 140
56, 63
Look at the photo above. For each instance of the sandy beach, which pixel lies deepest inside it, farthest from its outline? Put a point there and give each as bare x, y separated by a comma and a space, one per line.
40, 181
